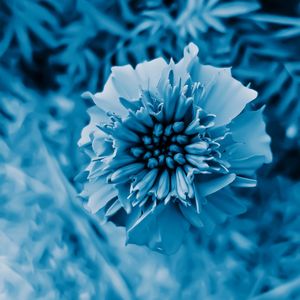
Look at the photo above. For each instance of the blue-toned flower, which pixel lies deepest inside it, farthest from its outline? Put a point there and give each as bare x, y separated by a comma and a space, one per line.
167, 141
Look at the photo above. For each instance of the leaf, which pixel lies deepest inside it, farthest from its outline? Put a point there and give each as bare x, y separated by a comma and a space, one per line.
5, 42
214, 22
276, 19
104, 21
24, 42
287, 33
234, 9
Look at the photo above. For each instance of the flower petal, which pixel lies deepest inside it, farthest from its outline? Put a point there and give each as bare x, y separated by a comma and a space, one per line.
244, 182
226, 97
126, 82
172, 227
115, 207
191, 215
216, 214
123, 174
206, 74
97, 116
108, 99
123, 193
247, 166
144, 230
208, 223
163, 185
249, 130
149, 73
209, 184
100, 194
226, 201
182, 68
145, 184
182, 188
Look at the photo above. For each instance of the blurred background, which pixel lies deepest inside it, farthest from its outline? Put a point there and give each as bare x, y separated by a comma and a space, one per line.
50, 53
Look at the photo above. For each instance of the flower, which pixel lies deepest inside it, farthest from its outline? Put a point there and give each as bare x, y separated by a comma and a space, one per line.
166, 141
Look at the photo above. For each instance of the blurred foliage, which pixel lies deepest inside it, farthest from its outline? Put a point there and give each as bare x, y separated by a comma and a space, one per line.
51, 52
50, 248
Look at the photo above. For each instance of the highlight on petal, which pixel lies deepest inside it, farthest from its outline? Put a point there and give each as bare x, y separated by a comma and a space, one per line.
125, 82
226, 97
149, 73
108, 99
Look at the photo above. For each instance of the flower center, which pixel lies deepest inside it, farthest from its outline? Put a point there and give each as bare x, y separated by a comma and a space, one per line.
163, 146
146, 141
